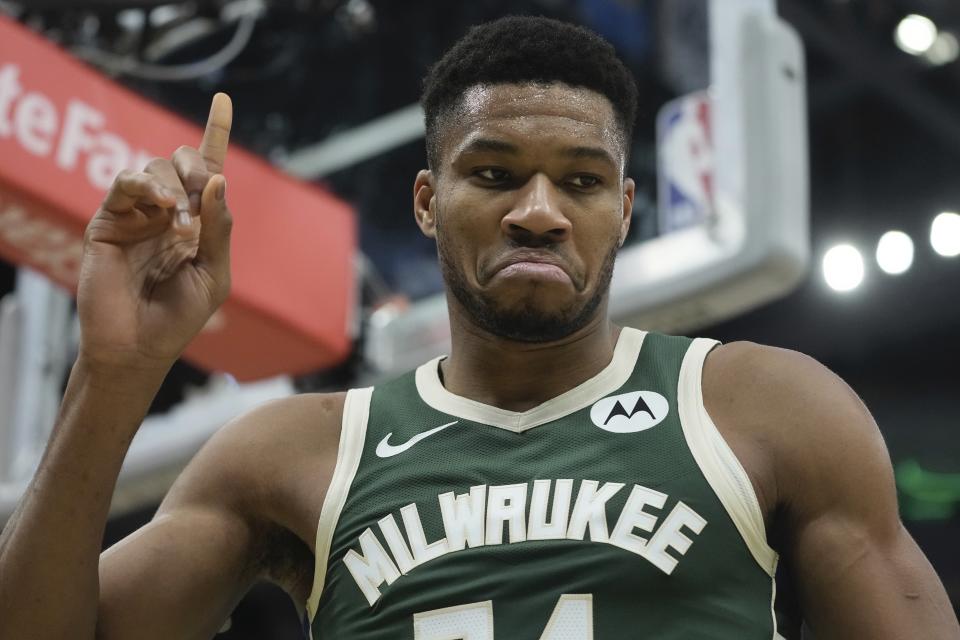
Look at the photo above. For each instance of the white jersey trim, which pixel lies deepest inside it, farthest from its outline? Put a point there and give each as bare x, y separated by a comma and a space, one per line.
611, 378
773, 604
353, 430
717, 461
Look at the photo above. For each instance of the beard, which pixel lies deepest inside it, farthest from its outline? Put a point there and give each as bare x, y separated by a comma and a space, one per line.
528, 322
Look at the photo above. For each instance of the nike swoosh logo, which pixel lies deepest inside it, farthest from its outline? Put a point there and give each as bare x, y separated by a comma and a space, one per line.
386, 450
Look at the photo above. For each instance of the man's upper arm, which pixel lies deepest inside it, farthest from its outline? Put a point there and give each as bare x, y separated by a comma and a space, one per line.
859, 573
214, 535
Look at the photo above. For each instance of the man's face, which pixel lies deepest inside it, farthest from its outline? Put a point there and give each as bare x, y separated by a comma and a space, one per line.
528, 207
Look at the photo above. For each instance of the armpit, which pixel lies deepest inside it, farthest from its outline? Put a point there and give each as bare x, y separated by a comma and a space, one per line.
286, 561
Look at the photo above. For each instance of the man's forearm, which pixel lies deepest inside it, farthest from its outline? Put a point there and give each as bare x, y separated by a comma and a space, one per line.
50, 548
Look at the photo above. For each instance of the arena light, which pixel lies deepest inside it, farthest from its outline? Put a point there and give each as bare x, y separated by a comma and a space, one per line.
944, 50
945, 234
915, 34
895, 252
843, 268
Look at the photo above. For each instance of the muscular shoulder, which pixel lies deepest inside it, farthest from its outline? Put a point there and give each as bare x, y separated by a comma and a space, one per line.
245, 455
818, 438
769, 382
291, 428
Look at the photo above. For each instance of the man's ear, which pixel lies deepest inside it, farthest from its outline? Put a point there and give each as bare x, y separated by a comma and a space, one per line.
425, 203
629, 189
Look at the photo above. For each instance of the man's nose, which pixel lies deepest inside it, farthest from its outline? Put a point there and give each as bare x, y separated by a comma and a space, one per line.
536, 217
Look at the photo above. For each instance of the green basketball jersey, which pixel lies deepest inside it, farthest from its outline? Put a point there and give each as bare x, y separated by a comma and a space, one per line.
615, 510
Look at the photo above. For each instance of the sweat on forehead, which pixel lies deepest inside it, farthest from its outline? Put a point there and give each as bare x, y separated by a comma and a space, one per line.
528, 109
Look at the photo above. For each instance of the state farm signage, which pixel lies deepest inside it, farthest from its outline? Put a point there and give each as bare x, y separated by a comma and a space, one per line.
74, 138
65, 133
76, 142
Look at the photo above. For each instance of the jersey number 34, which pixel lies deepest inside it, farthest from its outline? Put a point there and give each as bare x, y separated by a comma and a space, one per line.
572, 619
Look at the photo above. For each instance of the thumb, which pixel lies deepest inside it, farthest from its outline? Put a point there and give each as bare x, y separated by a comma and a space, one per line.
215, 225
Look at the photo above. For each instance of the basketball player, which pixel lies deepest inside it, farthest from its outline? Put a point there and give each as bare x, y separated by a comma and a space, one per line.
555, 477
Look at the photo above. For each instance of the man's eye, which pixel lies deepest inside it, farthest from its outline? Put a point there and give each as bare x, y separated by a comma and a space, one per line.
584, 181
493, 175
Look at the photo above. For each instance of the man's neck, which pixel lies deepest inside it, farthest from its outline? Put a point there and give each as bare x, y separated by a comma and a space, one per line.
518, 376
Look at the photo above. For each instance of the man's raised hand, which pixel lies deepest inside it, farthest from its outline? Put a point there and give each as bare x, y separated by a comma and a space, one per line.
156, 260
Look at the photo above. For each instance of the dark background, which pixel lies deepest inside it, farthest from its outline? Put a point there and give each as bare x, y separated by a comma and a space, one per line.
885, 154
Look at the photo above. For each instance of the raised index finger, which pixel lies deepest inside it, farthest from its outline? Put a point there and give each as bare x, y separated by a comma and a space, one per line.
216, 137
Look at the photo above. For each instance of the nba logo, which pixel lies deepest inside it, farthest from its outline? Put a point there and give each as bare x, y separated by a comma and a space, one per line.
685, 163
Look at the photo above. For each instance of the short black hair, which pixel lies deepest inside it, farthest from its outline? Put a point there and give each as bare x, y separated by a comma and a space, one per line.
520, 49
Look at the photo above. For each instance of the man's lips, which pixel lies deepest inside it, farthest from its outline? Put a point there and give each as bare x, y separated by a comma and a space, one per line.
533, 270
533, 266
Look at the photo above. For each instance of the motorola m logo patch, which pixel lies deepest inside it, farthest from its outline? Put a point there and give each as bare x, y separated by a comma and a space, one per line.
630, 412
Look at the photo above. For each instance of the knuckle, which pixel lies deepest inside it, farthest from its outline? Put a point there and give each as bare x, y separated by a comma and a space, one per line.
123, 182
184, 155
195, 179
218, 127
189, 167
214, 161
156, 165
